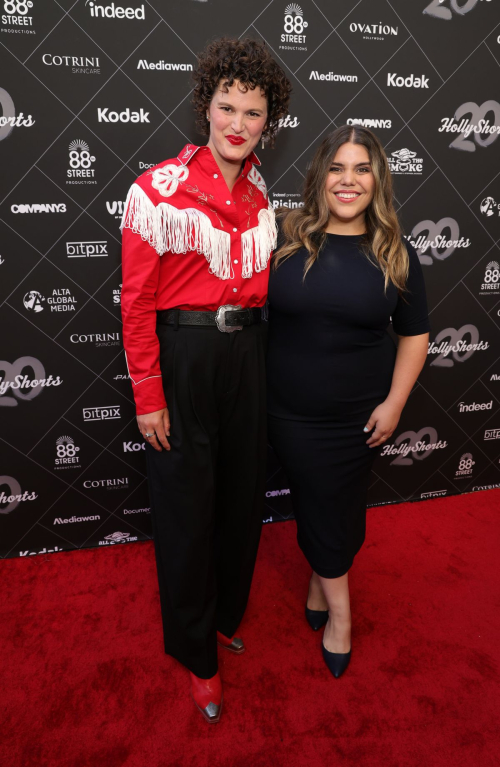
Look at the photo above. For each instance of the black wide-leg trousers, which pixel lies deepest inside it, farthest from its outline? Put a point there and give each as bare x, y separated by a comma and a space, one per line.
207, 492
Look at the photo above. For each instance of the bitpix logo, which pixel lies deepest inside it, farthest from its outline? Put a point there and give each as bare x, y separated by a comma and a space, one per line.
404, 162
80, 162
293, 29
488, 207
90, 249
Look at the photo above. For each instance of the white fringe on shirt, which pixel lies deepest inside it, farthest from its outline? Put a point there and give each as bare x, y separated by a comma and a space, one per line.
167, 228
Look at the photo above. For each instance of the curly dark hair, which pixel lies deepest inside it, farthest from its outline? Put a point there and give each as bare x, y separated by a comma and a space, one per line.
248, 61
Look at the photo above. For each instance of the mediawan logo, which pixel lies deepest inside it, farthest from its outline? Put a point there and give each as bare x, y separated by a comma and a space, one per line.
373, 31
332, 77
66, 454
80, 65
491, 280
71, 520
80, 169
287, 200
404, 162
164, 66
113, 11
61, 300
17, 17
489, 207
293, 29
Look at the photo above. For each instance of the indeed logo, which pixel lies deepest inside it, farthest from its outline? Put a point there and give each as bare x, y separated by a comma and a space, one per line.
105, 116
113, 11
475, 406
407, 82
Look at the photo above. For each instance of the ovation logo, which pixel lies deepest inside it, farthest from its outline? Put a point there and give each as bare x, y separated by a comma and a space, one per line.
411, 446
9, 120
22, 386
113, 11
105, 116
373, 31
39, 208
412, 81
451, 341
14, 495
331, 77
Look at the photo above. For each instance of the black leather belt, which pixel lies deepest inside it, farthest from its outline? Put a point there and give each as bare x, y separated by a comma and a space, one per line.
227, 318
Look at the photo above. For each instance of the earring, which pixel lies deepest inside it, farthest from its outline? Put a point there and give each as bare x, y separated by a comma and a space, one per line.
208, 117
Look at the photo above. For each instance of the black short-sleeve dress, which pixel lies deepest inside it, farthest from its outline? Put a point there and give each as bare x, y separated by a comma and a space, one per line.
330, 363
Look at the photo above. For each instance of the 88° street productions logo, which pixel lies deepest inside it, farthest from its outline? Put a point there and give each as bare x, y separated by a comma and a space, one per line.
66, 454
465, 465
491, 279
17, 17
294, 29
80, 169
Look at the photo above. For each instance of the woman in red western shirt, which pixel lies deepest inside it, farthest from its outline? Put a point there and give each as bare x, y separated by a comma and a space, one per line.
198, 232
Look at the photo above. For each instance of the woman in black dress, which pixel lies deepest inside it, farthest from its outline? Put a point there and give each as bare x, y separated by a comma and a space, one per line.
337, 382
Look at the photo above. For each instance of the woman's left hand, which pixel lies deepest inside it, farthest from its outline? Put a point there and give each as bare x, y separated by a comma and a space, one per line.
384, 420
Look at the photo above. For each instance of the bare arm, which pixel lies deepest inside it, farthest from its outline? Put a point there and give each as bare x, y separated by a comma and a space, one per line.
410, 359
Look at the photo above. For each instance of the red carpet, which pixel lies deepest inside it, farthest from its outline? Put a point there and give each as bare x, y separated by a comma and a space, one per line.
85, 682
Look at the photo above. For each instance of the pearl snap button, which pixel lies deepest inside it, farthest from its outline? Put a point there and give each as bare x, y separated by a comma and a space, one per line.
235, 290
228, 202
216, 175
234, 229
235, 260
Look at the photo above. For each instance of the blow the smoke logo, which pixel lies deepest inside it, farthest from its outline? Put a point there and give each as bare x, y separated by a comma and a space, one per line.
294, 29
80, 169
11, 494
405, 163
461, 344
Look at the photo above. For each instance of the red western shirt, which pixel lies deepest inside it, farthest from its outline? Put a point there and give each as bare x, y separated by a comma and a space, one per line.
189, 243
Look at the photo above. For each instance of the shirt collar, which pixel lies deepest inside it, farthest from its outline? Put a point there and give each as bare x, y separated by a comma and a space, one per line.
189, 151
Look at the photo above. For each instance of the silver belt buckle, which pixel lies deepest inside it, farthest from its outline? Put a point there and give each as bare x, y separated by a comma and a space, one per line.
220, 319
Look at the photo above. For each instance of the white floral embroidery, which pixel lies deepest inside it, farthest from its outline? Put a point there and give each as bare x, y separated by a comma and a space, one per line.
255, 177
167, 179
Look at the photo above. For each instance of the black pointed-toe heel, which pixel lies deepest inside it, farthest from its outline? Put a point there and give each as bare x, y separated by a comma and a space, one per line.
316, 618
337, 662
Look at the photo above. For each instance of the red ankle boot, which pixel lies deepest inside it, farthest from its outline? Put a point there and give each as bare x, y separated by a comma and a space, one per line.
235, 644
207, 696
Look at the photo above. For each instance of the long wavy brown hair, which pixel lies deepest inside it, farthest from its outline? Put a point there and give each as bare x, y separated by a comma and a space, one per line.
305, 227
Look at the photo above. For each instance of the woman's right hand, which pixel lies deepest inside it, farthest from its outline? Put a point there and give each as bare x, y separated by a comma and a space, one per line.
157, 424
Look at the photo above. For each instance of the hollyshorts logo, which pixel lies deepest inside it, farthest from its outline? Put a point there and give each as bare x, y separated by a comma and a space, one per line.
446, 9
61, 300
52, 207
404, 162
287, 200
133, 447
98, 339
369, 122
80, 65
433, 494
475, 130
121, 483
333, 77
413, 446
465, 466
410, 81
11, 494
373, 31
288, 122
17, 17
491, 279
294, 27
442, 238
115, 208
80, 169
461, 344
110, 540
489, 207
22, 386
117, 295
72, 520
110, 413
87, 249
164, 66
9, 120
113, 11
491, 434
66, 454
126, 116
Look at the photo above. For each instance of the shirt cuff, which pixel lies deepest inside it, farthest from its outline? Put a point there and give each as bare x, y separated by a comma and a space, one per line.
149, 395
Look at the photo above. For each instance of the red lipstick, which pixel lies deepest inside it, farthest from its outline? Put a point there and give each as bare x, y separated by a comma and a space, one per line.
236, 140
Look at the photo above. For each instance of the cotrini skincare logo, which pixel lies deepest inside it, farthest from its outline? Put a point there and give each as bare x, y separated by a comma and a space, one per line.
79, 65
491, 279
67, 454
9, 120
373, 31
109, 413
88, 249
413, 446
11, 494
17, 17
461, 344
441, 238
294, 27
113, 11
15, 381
404, 162
120, 483
475, 130
97, 339
61, 300
80, 169
369, 122
286, 200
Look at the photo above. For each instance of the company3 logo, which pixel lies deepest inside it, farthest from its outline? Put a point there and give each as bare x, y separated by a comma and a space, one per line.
14, 494
23, 387
411, 445
477, 124
440, 245
460, 348
9, 121
439, 11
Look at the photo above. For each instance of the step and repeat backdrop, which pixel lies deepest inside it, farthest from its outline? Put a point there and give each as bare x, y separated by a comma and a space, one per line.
94, 93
